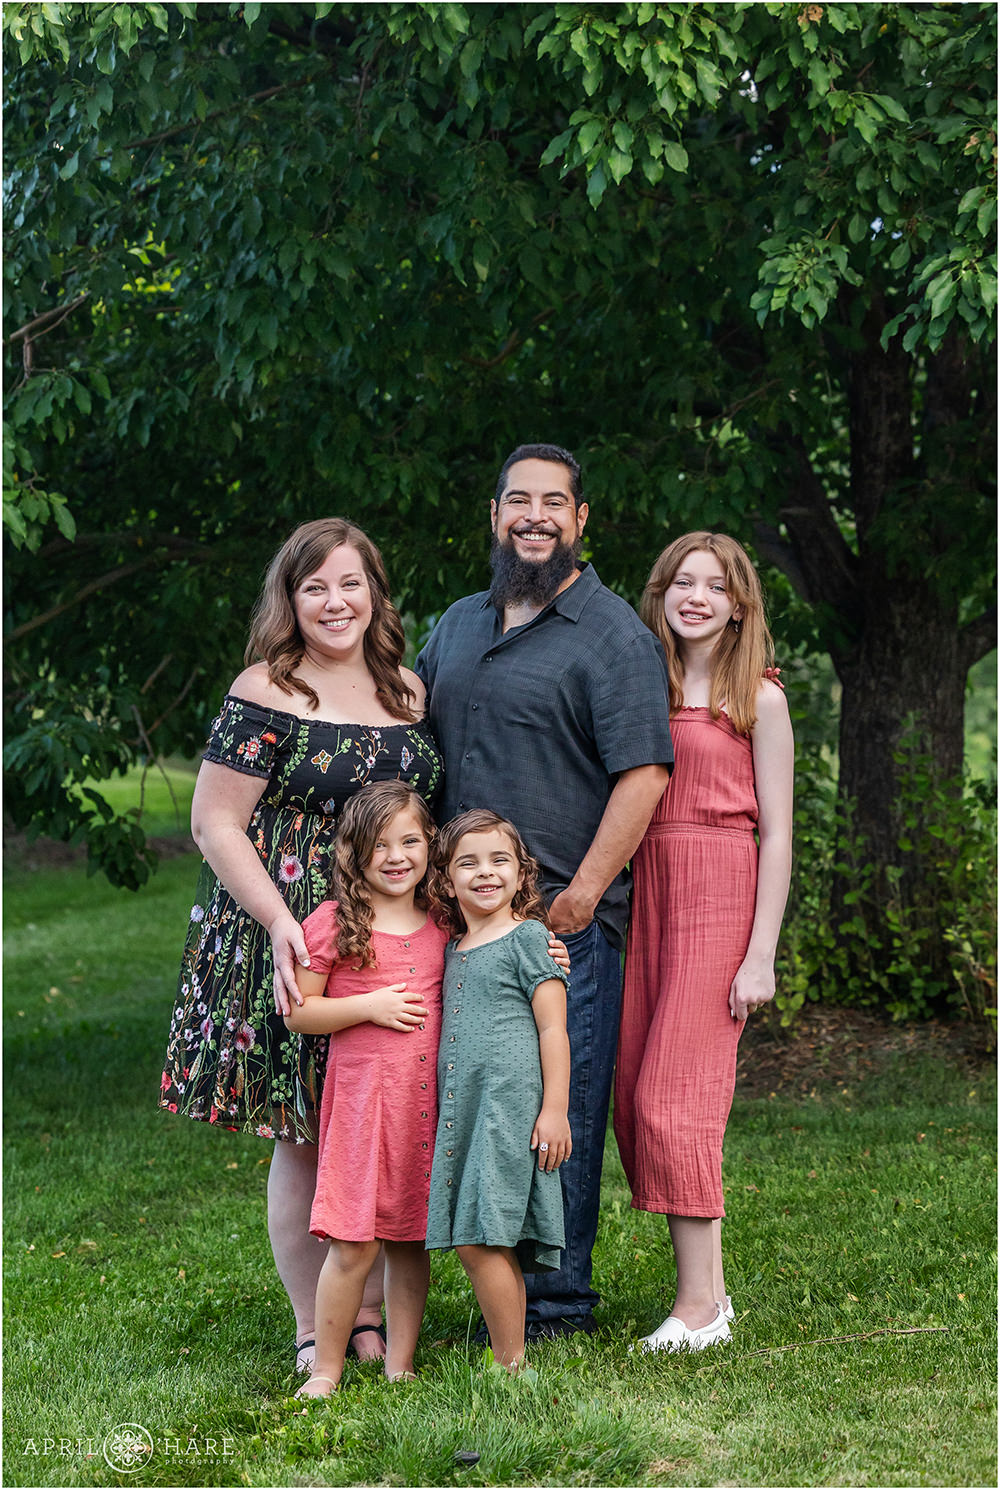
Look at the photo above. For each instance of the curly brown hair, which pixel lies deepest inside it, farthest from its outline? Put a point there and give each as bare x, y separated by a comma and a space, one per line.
363, 820
527, 903
274, 633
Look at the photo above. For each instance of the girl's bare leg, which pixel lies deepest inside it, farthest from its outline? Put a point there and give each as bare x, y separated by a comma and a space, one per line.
407, 1275
338, 1299
498, 1283
694, 1248
299, 1257
718, 1279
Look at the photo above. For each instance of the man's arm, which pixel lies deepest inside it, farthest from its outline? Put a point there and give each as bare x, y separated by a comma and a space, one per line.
618, 835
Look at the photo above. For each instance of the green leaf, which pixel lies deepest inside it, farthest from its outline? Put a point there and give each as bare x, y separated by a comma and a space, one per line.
675, 155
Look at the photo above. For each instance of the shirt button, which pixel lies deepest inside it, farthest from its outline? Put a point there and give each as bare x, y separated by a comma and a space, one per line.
489, 659
406, 944
474, 707
451, 1065
454, 1011
423, 1086
458, 985
462, 806
450, 1094
451, 1040
413, 970
419, 1026
447, 1182
423, 1145
464, 958
449, 1152
423, 1114
468, 757
423, 1057
447, 1125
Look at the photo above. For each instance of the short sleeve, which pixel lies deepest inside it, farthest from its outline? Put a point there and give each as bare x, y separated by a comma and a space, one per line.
631, 708
534, 965
320, 932
245, 737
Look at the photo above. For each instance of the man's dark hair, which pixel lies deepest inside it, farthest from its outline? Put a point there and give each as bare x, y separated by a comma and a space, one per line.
554, 453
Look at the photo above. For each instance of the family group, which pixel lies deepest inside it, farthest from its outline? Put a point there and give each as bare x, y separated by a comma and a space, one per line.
429, 1020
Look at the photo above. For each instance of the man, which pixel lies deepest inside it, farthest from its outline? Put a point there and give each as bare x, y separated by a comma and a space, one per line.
551, 702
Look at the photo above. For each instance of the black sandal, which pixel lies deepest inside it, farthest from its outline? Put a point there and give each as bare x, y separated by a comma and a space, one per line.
364, 1329
301, 1345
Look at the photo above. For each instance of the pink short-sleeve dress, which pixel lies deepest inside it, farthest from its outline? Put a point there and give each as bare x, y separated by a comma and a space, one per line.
692, 913
379, 1109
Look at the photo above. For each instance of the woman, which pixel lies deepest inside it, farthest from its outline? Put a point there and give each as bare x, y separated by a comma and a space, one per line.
327, 710
711, 879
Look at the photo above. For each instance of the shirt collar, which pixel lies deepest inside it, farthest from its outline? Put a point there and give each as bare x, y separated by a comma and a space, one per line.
568, 602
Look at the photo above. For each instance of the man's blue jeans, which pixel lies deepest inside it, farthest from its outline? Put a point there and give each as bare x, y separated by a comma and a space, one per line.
593, 1008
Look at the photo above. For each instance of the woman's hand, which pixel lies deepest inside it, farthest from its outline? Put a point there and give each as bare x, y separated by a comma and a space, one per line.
288, 946
558, 953
551, 1137
752, 987
395, 1009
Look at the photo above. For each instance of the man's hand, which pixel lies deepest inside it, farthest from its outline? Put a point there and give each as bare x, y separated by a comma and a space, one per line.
571, 911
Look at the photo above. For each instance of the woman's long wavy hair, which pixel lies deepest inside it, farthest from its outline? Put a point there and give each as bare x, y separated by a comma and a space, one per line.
743, 651
527, 903
274, 633
363, 821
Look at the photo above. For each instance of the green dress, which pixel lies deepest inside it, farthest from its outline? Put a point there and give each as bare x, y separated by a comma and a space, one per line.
230, 1059
486, 1187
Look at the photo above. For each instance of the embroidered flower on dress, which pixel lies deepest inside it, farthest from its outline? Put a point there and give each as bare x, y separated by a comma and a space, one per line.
207, 1028
263, 1131
405, 759
291, 869
238, 956
245, 1037
164, 1082
330, 806
269, 737
324, 760
251, 748
197, 913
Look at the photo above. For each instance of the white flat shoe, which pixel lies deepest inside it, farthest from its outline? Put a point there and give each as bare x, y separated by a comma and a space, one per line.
674, 1335
726, 1305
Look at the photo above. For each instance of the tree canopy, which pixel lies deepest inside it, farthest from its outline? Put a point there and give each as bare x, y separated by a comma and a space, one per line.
270, 261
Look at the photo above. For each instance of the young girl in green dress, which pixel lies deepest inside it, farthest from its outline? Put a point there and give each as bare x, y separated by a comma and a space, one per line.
503, 1075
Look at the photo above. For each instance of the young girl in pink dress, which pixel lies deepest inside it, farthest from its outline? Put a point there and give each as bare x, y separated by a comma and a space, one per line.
706, 911
374, 985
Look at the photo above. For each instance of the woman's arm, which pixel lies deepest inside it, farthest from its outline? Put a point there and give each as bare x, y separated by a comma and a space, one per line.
552, 1124
391, 1006
221, 810
774, 765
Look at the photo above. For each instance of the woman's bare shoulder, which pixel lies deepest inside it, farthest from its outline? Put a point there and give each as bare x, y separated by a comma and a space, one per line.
416, 687
254, 685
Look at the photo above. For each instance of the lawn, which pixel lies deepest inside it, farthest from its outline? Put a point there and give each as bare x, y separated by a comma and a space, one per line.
140, 1288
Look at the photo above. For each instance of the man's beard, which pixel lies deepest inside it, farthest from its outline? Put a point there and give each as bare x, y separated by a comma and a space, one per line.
533, 580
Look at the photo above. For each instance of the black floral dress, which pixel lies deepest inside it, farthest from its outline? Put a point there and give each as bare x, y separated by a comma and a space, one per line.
230, 1059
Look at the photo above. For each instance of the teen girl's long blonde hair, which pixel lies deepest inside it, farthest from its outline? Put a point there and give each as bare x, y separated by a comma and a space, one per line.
744, 650
527, 904
362, 822
274, 631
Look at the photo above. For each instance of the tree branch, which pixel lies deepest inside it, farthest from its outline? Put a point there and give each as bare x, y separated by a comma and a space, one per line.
54, 316
979, 637
101, 583
514, 340
823, 561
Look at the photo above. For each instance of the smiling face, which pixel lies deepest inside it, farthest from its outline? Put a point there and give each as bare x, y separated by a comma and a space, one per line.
399, 861
536, 512
696, 604
333, 604
483, 873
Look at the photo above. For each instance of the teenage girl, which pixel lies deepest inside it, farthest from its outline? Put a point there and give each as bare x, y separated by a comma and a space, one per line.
503, 1075
711, 880
377, 954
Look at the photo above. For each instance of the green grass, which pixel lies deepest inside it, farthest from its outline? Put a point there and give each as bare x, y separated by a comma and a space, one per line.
140, 1287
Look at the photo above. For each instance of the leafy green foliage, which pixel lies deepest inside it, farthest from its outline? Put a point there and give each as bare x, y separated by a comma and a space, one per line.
845, 943
266, 261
